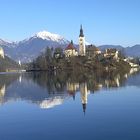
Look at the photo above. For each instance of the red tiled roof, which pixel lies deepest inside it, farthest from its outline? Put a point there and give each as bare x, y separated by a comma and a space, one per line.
70, 47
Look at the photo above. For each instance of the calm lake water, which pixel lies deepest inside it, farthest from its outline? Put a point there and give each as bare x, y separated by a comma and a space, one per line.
38, 106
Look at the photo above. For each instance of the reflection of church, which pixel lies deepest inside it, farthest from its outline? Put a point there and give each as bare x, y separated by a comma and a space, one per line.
72, 88
51, 91
84, 94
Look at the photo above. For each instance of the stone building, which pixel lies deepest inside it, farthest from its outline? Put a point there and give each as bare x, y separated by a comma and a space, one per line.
92, 51
111, 53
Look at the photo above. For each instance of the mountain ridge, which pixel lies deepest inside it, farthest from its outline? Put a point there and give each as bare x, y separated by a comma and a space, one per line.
28, 49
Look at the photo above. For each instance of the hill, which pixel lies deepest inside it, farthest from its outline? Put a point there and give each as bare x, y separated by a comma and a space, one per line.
8, 64
29, 48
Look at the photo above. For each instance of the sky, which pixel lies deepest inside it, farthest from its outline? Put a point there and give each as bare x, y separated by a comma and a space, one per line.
114, 22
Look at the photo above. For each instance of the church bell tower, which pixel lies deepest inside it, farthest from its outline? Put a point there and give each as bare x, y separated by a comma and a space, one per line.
82, 48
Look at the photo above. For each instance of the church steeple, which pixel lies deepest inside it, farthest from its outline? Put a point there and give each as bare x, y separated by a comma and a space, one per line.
71, 42
82, 47
81, 32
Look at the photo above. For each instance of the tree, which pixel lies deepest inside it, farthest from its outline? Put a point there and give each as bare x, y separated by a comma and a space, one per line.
48, 55
122, 54
58, 52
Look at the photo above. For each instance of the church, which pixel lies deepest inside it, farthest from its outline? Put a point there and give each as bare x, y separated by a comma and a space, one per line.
70, 50
82, 46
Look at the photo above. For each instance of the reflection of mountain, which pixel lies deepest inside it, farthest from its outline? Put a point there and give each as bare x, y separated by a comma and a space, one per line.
23, 87
27, 90
47, 90
52, 102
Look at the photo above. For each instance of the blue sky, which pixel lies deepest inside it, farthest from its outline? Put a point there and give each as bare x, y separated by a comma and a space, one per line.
104, 21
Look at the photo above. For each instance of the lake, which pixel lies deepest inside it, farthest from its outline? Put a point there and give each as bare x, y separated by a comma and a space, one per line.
65, 106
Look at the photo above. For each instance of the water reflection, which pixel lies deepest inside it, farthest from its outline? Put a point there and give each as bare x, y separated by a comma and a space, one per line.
49, 90
84, 94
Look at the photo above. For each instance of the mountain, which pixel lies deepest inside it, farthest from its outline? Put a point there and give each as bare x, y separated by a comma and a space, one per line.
7, 64
133, 51
6, 43
103, 47
28, 49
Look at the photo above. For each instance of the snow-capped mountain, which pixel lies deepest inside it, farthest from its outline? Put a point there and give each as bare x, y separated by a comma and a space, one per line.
29, 48
2, 42
47, 36
7, 43
53, 37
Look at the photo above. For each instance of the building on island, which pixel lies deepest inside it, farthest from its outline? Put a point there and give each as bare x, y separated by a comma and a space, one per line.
92, 51
1, 52
70, 50
111, 53
131, 62
82, 46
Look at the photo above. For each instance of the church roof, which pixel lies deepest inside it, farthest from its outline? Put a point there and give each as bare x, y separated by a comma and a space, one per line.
81, 32
70, 46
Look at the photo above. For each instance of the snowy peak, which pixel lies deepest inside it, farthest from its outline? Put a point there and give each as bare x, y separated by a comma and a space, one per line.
7, 43
48, 35
3, 42
51, 37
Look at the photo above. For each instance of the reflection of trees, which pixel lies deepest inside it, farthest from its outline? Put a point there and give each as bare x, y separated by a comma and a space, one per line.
5, 81
2, 91
95, 81
53, 83
59, 86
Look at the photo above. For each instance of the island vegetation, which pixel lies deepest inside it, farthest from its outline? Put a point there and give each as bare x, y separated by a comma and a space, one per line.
55, 60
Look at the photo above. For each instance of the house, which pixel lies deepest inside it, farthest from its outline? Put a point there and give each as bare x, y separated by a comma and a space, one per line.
92, 51
131, 62
111, 53
70, 50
